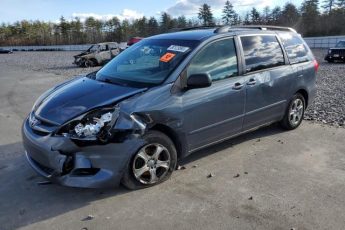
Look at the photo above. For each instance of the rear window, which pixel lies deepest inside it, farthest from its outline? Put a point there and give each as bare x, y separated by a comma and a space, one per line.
262, 52
296, 50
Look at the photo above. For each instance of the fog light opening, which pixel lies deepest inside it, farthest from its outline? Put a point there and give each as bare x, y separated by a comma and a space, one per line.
85, 171
68, 165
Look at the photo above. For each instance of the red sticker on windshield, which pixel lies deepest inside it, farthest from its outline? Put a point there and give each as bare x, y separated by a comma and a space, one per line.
167, 57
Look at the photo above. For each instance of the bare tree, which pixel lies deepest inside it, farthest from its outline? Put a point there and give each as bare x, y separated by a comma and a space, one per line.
328, 5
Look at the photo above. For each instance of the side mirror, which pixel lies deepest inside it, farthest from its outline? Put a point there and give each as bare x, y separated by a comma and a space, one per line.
200, 80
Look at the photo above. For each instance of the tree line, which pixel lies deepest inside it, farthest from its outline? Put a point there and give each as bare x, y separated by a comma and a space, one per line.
312, 18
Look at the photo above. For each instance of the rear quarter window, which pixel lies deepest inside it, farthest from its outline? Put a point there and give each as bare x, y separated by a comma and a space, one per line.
296, 49
262, 52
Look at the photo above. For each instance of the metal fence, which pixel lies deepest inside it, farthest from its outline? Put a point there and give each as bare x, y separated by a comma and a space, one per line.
55, 47
313, 42
49, 48
323, 42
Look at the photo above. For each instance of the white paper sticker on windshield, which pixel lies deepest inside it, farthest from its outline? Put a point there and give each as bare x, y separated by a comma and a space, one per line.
176, 48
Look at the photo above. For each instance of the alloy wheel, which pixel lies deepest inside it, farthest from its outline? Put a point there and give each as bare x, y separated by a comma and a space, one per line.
151, 163
296, 112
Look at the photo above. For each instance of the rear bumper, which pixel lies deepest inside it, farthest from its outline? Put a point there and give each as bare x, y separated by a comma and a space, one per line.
62, 161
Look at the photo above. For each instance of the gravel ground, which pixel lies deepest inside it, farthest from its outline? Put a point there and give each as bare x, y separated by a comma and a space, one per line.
328, 107
329, 104
58, 62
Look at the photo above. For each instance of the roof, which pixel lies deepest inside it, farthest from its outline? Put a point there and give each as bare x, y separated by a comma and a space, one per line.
105, 43
198, 34
202, 33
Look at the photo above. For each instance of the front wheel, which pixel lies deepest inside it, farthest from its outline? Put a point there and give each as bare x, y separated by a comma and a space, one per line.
294, 114
152, 164
89, 63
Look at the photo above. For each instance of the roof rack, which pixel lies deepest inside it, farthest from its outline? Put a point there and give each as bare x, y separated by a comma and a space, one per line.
192, 28
227, 28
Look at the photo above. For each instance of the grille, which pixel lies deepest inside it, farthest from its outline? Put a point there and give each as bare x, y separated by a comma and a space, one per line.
41, 126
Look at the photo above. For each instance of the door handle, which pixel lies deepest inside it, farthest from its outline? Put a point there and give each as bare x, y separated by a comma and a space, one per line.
237, 86
251, 82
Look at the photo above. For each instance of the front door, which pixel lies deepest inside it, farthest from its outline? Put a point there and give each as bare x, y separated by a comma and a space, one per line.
216, 112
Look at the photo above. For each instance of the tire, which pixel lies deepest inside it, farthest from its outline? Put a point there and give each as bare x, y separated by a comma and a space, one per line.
147, 168
89, 63
81, 63
294, 113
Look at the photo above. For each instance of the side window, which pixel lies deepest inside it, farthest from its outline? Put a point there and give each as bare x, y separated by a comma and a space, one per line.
103, 48
112, 46
295, 48
262, 52
218, 59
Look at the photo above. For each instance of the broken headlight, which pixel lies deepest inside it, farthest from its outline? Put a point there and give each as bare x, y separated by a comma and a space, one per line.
92, 128
92, 124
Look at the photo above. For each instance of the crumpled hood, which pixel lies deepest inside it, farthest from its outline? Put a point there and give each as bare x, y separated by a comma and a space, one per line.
82, 54
78, 97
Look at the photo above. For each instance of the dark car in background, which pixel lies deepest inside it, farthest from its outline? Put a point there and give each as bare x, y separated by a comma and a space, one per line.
337, 53
5, 51
165, 98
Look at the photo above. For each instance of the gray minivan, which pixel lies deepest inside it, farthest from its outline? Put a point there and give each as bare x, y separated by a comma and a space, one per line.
164, 98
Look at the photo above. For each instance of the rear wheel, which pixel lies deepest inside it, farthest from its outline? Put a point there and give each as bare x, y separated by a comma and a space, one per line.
152, 164
294, 114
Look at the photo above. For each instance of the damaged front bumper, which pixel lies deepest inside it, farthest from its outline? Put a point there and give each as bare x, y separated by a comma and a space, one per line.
77, 60
68, 163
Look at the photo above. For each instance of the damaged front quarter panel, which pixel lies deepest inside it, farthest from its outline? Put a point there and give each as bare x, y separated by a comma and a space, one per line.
132, 122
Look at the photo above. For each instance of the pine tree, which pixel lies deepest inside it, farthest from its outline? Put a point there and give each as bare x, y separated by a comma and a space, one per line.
310, 17
229, 15
247, 19
166, 22
266, 17
205, 15
152, 26
276, 15
237, 20
290, 15
181, 22
255, 16
64, 27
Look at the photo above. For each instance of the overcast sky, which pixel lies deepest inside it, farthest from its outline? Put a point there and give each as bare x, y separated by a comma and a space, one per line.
51, 10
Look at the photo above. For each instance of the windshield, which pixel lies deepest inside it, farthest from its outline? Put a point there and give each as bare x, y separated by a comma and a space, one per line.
146, 63
340, 44
93, 48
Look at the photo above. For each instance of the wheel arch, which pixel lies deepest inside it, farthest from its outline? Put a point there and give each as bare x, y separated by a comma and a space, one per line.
179, 144
94, 60
304, 93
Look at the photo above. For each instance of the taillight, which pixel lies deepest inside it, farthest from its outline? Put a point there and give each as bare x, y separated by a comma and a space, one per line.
316, 65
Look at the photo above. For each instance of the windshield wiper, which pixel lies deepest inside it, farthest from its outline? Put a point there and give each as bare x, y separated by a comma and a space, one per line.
111, 81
